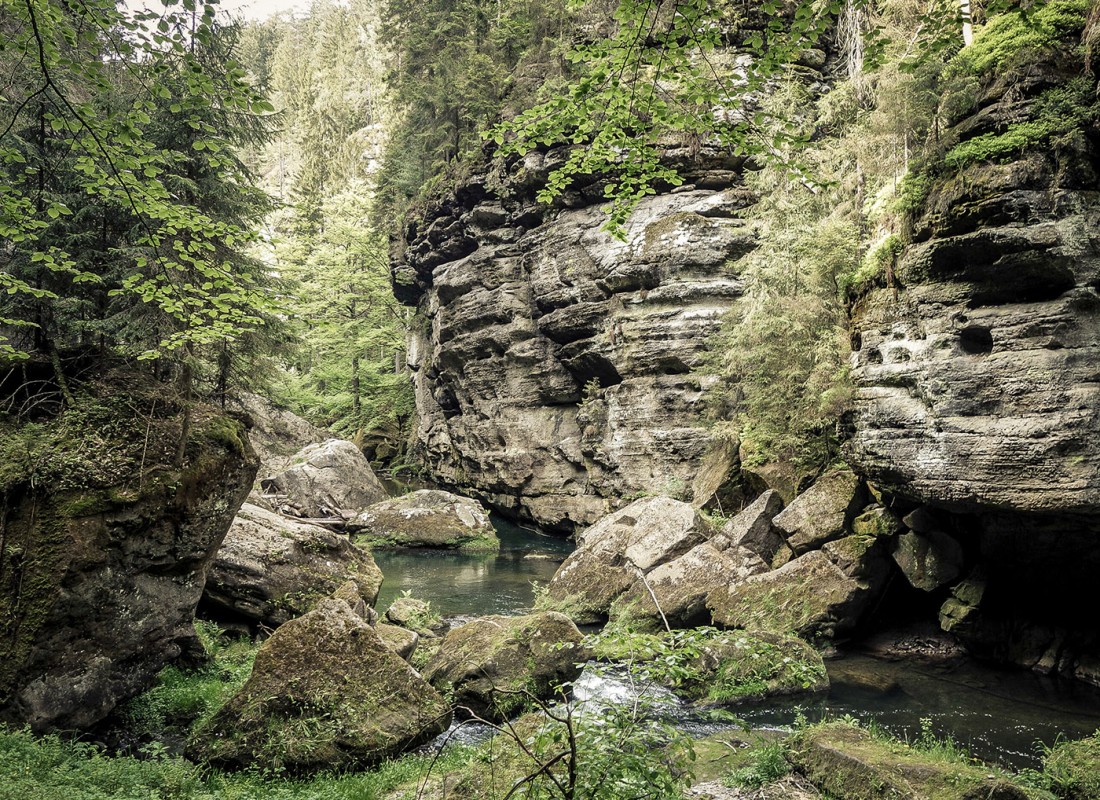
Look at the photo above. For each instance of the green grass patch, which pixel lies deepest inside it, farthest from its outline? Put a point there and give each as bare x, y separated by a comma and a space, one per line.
182, 700
51, 768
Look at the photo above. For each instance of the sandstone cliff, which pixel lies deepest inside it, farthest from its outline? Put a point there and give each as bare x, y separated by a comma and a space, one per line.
554, 364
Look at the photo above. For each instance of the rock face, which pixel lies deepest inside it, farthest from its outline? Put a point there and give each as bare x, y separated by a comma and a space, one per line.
553, 365
977, 379
325, 693
494, 663
613, 554
271, 569
326, 480
98, 585
427, 518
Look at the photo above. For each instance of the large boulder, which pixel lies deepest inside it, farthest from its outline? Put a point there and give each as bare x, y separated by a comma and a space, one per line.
332, 479
494, 666
427, 518
678, 590
613, 553
325, 693
810, 596
753, 527
735, 667
276, 434
271, 569
99, 584
822, 512
929, 560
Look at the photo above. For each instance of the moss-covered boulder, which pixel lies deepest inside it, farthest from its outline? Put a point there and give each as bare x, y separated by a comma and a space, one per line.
823, 511
745, 667
414, 614
613, 553
105, 545
495, 665
1073, 768
427, 518
332, 479
270, 568
810, 596
325, 693
679, 589
401, 640
843, 760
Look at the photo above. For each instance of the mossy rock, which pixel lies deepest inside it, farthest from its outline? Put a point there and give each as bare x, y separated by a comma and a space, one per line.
843, 760
428, 518
325, 693
494, 666
1073, 768
106, 546
743, 667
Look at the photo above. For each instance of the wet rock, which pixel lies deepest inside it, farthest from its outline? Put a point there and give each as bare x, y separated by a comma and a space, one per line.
401, 640
332, 479
98, 585
810, 596
495, 665
753, 527
427, 518
612, 553
822, 512
918, 643
842, 760
325, 693
270, 568
928, 560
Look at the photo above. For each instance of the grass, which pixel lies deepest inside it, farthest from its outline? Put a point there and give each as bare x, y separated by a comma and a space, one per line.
767, 764
182, 700
50, 768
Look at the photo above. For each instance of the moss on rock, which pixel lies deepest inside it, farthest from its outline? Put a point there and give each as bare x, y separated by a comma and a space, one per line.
325, 692
496, 665
843, 760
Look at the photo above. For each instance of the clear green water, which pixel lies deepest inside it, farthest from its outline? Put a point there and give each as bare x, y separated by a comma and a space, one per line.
1002, 715
458, 584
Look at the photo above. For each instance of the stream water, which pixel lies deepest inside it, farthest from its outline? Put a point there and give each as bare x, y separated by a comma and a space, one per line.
1000, 715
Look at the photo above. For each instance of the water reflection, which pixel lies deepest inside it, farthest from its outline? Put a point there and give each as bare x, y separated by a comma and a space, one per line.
460, 584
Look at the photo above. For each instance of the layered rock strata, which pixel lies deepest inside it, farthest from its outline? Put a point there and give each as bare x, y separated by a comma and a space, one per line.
552, 362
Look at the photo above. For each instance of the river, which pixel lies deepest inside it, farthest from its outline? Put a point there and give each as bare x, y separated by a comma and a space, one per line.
1000, 715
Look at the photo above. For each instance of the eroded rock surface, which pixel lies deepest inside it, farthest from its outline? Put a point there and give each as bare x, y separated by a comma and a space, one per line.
270, 568
553, 368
